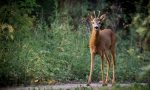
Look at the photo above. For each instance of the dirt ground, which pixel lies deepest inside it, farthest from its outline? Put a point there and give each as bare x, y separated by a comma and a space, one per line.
95, 86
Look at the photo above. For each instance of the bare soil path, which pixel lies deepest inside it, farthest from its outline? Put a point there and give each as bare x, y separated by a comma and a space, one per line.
95, 86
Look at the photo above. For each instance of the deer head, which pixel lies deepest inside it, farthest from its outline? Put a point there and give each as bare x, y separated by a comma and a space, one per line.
97, 21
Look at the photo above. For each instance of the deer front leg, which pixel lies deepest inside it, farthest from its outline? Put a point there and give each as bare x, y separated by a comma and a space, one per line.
91, 68
102, 67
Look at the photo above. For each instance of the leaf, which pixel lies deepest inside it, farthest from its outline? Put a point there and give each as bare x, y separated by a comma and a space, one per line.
141, 31
131, 51
12, 37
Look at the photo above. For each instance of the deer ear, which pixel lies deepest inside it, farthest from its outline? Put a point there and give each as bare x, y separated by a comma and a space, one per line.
90, 18
102, 17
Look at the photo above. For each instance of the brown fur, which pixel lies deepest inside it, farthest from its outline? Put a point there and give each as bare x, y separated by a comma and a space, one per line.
100, 40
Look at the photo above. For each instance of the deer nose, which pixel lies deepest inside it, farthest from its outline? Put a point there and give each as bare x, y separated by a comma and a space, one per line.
96, 27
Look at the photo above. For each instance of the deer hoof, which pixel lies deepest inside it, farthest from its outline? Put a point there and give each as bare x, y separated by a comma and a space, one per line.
104, 84
88, 84
113, 82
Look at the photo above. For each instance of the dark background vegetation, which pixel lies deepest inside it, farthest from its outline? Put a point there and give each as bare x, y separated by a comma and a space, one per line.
46, 41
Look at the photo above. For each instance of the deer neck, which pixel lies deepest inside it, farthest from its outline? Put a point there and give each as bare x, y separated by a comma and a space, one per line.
94, 39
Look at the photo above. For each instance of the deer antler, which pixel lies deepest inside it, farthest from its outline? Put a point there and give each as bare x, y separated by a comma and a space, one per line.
99, 13
94, 14
102, 17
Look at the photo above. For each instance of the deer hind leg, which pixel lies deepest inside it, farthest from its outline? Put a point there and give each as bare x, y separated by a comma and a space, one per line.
108, 66
113, 64
91, 68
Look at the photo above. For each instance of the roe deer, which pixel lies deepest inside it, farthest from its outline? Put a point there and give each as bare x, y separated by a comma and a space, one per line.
102, 41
